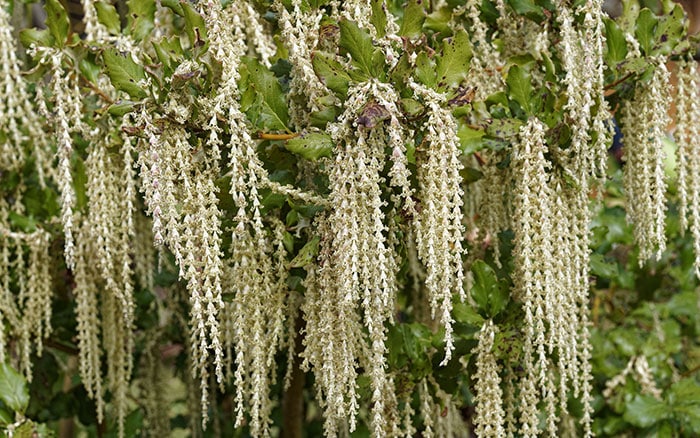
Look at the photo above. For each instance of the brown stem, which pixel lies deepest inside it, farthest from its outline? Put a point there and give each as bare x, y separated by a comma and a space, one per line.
609, 88
97, 91
56, 345
293, 398
268, 136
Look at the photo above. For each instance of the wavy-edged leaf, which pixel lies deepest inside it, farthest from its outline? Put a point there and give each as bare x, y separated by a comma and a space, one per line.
358, 44
413, 18
311, 146
331, 73
13, 389
453, 65
644, 30
108, 16
141, 17
124, 73
490, 294
194, 25
57, 21
268, 107
520, 88
40, 37
307, 254
615, 42
644, 411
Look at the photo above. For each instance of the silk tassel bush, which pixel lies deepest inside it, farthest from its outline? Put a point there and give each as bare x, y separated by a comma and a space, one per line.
342, 192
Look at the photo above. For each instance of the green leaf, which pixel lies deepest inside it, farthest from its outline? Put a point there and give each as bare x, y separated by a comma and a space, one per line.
378, 19
194, 26
6, 417
358, 44
615, 41
601, 268
269, 107
670, 30
411, 107
490, 294
22, 222
169, 52
57, 21
331, 73
307, 254
520, 88
425, 70
464, 313
311, 146
13, 389
528, 8
108, 16
40, 37
173, 5
453, 65
124, 73
89, 69
121, 107
413, 18
644, 30
644, 411
504, 128
470, 139
141, 17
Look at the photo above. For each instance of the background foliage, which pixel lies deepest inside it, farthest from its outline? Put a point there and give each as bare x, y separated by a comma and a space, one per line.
650, 311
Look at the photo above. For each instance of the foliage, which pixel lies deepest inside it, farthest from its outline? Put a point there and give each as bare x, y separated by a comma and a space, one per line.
221, 215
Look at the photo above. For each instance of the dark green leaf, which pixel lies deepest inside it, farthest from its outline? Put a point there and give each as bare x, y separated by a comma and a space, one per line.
121, 107
141, 16
307, 254
464, 313
644, 410
616, 44
57, 21
331, 73
520, 88
108, 16
504, 128
379, 17
89, 69
13, 389
453, 65
269, 104
311, 146
6, 417
601, 268
288, 241
411, 107
124, 73
173, 5
488, 292
528, 8
194, 26
169, 52
39, 37
425, 70
469, 138
358, 44
644, 31
413, 19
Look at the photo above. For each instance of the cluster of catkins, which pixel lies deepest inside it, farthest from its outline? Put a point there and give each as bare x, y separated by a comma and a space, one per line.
377, 217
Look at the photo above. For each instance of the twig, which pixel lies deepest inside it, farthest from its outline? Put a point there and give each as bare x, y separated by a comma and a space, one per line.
99, 92
268, 136
617, 82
